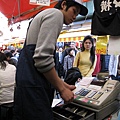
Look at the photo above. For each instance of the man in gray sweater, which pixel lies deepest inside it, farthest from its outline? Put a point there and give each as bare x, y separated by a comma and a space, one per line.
36, 68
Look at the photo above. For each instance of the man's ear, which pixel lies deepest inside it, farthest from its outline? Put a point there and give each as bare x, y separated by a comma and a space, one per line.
63, 5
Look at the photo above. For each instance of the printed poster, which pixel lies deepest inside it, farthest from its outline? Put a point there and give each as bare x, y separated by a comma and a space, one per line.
101, 45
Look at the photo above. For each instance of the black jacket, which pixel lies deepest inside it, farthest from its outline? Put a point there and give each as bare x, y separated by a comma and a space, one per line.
105, 21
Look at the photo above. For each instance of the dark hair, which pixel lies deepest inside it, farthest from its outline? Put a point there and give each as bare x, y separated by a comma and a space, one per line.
92, 51
69, 50
8, 54
12, 61
3, 58
69, 3
94, 40
72, 75
12, 51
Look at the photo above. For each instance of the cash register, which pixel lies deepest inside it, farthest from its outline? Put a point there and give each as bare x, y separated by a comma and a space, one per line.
96, 99
96, 93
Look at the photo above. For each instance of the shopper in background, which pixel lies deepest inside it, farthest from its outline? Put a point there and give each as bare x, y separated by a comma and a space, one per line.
114, 67
59, 64
36, 67
10, 58
86, 59
65, 52
7, 84
68, 60
73, 46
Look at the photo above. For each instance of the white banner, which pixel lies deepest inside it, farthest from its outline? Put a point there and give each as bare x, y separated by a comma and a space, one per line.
40, 2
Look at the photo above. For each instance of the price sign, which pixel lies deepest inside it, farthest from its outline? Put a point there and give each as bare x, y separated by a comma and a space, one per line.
40, 2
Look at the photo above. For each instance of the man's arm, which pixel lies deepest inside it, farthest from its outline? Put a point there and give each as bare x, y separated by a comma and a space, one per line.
64, 89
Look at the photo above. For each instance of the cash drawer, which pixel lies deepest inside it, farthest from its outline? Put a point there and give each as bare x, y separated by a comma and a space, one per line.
72, 112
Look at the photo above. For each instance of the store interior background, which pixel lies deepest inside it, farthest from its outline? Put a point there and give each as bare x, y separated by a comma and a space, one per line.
14, 34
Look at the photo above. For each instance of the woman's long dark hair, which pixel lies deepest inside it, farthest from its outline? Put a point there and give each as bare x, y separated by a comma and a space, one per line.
92, 50
3, 58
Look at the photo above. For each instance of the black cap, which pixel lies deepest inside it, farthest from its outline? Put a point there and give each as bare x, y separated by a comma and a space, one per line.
83, 9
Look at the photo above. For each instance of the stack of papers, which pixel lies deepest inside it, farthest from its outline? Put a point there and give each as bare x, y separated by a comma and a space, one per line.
86, 81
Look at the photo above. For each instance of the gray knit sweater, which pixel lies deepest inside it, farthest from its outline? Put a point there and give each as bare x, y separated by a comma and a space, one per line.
44, 31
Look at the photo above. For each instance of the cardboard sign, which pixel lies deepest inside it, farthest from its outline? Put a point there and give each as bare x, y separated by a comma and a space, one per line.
101, 45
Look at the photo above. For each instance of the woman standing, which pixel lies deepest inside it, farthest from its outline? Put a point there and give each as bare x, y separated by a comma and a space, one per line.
86, 59
7, 83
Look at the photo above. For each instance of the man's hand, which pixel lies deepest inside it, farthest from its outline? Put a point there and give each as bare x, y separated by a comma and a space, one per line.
67, 94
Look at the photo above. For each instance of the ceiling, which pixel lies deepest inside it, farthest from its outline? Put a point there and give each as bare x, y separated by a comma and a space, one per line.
19, 10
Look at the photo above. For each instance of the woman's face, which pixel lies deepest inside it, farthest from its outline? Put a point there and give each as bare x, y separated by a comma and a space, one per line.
87, 44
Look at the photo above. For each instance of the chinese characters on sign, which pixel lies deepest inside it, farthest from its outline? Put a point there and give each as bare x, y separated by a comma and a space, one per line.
106, 5
40, 2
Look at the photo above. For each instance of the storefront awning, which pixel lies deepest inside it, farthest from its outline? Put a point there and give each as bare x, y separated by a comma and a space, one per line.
79, 38
19, 10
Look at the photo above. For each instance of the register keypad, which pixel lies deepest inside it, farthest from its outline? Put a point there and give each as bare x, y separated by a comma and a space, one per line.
83, 92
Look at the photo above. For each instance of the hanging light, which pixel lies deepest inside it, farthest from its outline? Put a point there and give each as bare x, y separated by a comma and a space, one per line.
18, 27
11, 29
